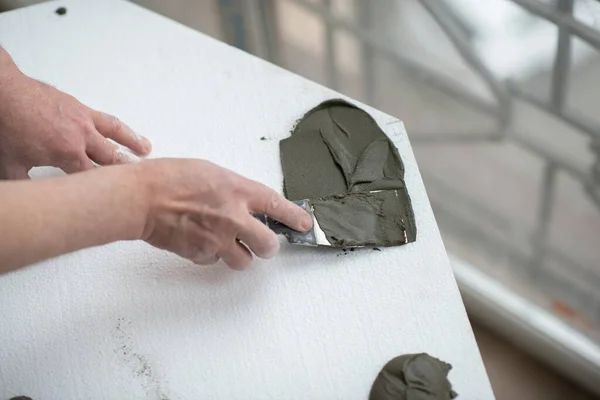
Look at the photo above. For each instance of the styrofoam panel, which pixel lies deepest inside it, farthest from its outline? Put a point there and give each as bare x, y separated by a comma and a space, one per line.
129, 321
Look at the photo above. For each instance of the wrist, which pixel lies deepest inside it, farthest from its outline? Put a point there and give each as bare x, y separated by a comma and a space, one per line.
141, 186
121, 201
137, 179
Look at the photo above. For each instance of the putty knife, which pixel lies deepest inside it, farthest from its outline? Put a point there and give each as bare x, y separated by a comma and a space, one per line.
314, 237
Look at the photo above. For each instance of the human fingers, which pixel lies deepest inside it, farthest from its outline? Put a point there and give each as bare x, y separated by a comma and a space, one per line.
204, 260
103, 152
265, 200
112, 128
236, 256
77, 164
261, 240
193, 243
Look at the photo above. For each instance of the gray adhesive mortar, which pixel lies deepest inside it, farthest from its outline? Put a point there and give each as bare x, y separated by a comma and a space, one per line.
413, 377
339, 157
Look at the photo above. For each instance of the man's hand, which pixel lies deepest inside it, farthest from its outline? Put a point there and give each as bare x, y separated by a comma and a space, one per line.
203, 212
191, 207
42, 126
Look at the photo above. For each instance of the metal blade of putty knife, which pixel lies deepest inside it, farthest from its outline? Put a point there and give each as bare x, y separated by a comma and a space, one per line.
314, 237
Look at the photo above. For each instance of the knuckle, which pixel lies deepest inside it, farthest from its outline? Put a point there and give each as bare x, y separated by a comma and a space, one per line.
83, 123
240, 186
62, 145
87, 127
71, 151
207, 247
222, 222
230, 221
234, 182
273, 202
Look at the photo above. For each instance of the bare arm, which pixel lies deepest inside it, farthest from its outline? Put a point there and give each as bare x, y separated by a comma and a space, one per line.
193, 208
45, 218
190, 207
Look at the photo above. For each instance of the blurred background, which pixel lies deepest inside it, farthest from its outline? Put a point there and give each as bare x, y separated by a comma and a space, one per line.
501, 100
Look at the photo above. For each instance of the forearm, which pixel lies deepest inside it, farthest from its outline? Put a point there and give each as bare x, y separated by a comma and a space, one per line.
45, 218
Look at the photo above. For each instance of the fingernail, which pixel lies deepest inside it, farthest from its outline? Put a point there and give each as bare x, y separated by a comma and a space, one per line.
307, 222
146, 144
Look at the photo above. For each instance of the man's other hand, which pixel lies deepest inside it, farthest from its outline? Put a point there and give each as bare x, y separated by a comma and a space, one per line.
42, 126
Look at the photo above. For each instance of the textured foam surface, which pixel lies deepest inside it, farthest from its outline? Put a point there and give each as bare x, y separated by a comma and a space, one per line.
126, 321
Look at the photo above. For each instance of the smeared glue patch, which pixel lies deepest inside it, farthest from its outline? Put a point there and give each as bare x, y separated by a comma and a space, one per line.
340, 159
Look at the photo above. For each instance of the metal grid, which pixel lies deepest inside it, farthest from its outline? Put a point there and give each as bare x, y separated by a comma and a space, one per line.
500, 109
